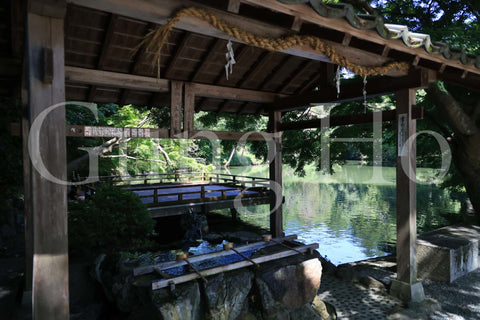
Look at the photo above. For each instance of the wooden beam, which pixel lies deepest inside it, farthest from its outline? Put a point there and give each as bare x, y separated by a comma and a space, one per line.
176, 56
211, 91
230, 135
48, 198
114, 79
471, 81
141, 83
275, 175
389, 115
189, 108
176, 107
353, 91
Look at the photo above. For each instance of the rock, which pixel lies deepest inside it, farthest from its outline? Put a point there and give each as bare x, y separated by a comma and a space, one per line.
304, 313
290, 286
195, 226
183, 304
372, 283
227, 293
214, 238
242, 236
327, 266
346, 272
247, 316
325, 310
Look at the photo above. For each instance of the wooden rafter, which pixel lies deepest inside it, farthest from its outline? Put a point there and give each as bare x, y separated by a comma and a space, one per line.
277, 71
142, 52
107, 39
178, 53
256, 68
209, 56
124, 97
307, 64
222, 106
310, 83
241, 108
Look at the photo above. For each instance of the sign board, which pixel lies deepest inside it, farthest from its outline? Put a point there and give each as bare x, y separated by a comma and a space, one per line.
402, 133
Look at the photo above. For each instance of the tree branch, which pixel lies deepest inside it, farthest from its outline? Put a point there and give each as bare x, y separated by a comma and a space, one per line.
456, 116
130, 157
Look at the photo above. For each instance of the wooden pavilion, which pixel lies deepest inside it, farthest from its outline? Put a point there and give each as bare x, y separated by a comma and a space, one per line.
91, 50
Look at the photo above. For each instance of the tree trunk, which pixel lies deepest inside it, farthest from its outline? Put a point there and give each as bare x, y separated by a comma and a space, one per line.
466, 152
227, 164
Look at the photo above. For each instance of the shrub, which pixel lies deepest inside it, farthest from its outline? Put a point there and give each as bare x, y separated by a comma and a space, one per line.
112, 218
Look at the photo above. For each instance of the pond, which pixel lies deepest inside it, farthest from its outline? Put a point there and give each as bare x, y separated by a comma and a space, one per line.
350, 215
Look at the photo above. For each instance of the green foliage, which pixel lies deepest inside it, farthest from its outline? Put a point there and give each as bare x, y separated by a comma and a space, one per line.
112, 218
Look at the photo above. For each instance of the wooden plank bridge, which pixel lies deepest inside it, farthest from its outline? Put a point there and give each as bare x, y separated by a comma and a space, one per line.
180, 192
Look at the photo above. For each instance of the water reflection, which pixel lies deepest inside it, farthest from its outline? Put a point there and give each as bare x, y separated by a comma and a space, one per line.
349, 219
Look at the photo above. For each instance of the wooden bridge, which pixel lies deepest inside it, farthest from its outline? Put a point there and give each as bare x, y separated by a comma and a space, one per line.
177, 193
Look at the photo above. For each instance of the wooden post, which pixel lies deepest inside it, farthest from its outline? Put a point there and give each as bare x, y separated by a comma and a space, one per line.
46, 83
406, 287
275, 170
176, 107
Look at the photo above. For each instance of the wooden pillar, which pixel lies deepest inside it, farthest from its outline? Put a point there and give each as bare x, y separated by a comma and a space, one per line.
176, 91
406, 287
275, 170
46, 87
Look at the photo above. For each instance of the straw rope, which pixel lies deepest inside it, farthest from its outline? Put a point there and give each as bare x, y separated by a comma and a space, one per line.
155, 40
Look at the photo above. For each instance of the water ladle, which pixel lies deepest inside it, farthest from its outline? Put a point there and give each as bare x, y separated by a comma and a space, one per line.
183, 256
229, 246
268, 238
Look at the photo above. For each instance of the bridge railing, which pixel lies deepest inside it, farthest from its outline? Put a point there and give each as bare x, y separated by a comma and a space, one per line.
185, 177
159, 198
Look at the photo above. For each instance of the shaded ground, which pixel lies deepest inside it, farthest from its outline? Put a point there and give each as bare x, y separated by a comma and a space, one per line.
459, 300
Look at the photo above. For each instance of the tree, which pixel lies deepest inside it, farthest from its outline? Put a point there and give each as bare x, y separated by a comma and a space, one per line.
453, 111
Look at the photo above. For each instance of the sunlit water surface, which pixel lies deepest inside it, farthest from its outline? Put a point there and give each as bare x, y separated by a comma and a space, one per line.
349, 214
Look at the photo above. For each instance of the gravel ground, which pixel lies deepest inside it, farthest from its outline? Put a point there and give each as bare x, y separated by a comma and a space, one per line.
459, 300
